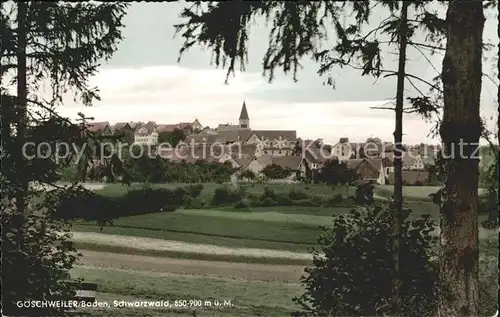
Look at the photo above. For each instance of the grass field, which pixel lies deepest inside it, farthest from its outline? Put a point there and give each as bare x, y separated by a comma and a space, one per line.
412, 193
269, 230
195, 256
248, 298
290, 228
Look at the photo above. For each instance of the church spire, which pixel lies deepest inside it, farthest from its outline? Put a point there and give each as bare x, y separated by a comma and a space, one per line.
244, 119
244, 113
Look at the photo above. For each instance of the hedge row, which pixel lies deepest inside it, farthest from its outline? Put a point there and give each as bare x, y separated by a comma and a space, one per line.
224, 196
90, 206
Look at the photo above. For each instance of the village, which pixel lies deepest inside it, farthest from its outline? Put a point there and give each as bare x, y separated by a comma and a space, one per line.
254, 150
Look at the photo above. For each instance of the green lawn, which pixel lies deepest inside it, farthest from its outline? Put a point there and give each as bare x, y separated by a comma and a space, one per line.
190, 255
198, 238
229, 228
290, 228
268, 215
282, 228
247, 297
411, 192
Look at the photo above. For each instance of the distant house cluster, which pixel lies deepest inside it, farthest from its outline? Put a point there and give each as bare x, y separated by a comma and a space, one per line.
144, 133
267, 142
373, 160
248, 149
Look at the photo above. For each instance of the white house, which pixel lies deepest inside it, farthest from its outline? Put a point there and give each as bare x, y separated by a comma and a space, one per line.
196, 125
274, 142
146, 134
342, 150
411, 161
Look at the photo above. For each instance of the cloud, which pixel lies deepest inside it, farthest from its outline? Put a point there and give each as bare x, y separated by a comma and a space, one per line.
170, 94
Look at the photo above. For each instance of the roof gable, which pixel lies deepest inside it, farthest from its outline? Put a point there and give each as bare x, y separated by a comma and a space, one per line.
98, 127
122, 126
366, 168
230, 136
185, 125
243, 162
272, 135
287, 162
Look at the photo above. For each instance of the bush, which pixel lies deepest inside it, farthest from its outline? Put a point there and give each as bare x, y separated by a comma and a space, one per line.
333, 201
338, 198
317, 200
226, 196
36, 271
296, 194
352, 271
488, 285
82, 204
242, 204
268, 202
254, 200
149, 200
283, 200
89, 206
364, 194
194, 190
268, 193
193, 203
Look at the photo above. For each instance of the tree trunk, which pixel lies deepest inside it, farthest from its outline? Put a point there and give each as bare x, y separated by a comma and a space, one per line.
398, 177
460, 131
21, 105
496, 221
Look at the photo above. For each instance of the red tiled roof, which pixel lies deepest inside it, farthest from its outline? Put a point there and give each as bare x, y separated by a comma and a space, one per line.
184, 125
96, 127
167, 127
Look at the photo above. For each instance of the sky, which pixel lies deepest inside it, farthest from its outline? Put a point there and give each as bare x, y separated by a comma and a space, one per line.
143, 81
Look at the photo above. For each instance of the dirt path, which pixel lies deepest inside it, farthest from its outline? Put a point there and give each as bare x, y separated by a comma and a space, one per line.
166, 245
241, 271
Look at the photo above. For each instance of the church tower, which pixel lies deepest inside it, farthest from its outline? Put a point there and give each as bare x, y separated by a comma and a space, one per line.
244, 119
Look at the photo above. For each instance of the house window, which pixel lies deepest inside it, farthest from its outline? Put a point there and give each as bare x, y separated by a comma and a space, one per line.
265, 152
